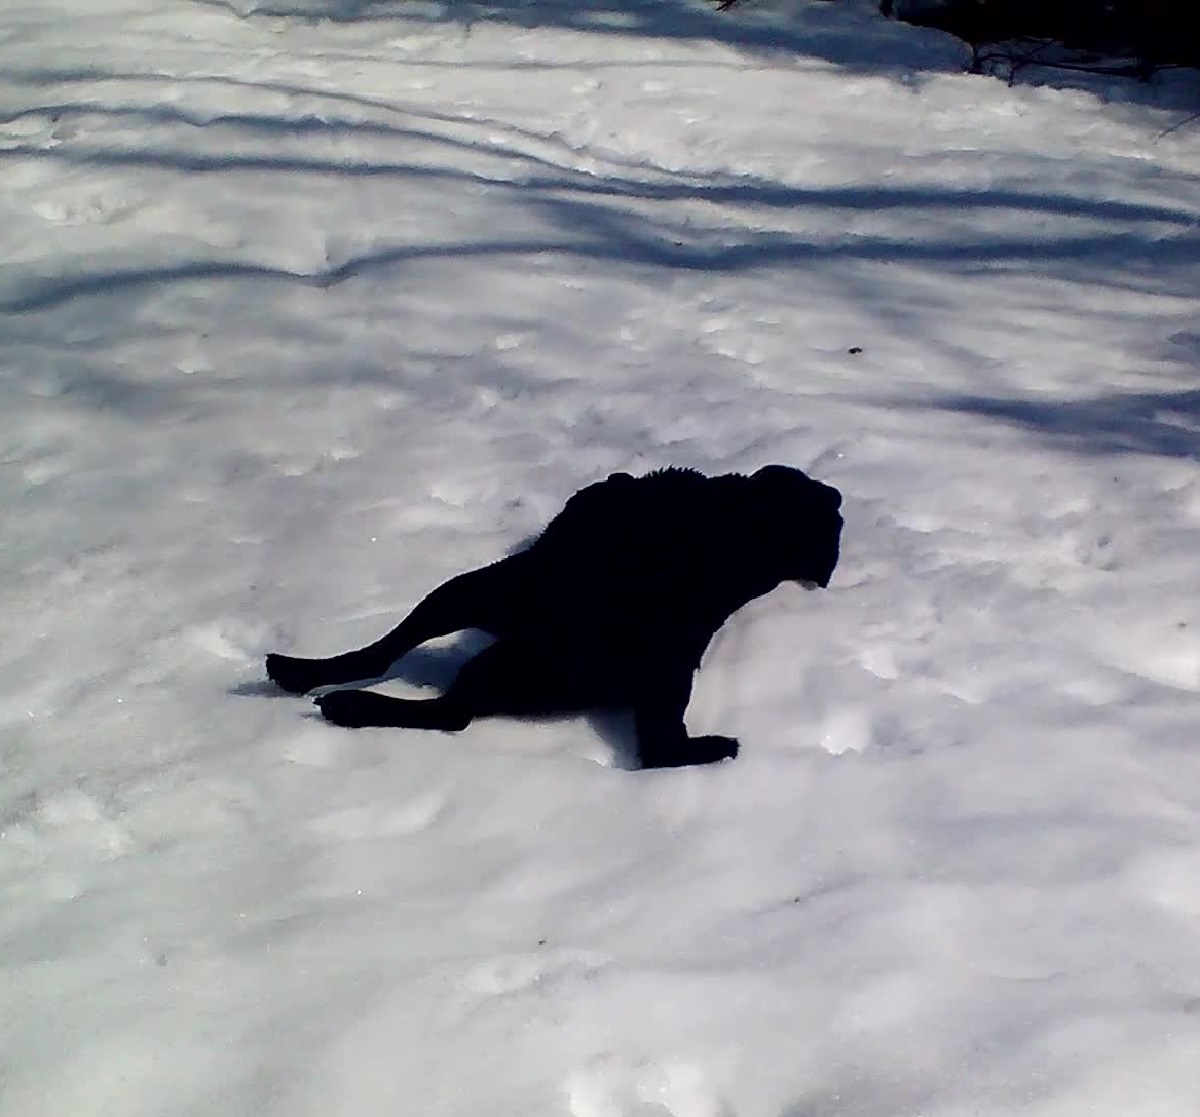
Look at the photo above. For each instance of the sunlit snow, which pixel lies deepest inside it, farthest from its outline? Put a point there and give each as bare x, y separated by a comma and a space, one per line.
306, 305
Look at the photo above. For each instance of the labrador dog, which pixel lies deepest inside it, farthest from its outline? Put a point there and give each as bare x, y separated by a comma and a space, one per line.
611, 606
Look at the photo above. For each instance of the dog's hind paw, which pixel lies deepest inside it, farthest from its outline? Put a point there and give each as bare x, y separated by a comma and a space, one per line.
708, 750
354, 709
296, 676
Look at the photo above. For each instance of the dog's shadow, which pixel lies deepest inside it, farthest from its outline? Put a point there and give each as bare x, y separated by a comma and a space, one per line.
437, 665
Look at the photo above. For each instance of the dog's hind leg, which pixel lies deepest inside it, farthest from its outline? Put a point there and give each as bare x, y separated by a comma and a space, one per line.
486, 599
482, 687
356, 709
509, 677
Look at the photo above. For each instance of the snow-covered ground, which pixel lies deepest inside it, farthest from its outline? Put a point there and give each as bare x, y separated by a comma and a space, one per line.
306, 306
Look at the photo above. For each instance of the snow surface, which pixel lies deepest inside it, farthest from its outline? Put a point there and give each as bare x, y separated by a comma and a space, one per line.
305, 306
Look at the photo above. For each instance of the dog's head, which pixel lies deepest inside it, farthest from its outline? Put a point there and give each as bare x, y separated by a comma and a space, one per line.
802, 521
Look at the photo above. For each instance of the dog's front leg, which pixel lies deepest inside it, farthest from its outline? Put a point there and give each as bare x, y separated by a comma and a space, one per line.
663, 740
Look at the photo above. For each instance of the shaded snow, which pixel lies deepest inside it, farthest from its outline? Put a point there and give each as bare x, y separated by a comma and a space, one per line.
305, 307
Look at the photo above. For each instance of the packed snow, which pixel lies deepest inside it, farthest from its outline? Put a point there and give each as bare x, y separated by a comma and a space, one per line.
306, 305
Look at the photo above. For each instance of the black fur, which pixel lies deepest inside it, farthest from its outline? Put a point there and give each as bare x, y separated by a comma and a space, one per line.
611, 606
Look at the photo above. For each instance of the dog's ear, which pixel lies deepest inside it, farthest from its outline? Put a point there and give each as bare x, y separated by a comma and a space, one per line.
786, 481
827, 494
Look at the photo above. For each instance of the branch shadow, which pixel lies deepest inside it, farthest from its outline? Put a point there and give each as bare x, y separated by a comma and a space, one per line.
617, 212
610, 237
842, 35
856, 38
600, 215
1162, 424
541, 174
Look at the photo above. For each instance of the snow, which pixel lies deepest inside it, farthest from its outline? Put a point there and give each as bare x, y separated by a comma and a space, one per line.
307, 306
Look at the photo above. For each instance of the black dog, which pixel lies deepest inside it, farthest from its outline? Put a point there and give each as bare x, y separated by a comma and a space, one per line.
611, 606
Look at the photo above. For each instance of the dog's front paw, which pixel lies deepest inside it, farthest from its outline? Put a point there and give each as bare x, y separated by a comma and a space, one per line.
696, 750
708, 750
352, 709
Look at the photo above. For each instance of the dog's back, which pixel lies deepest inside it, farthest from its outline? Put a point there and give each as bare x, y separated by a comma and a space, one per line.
653, 560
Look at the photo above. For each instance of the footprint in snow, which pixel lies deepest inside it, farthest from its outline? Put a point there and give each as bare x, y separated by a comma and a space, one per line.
612, 1087
231, 639
380, 821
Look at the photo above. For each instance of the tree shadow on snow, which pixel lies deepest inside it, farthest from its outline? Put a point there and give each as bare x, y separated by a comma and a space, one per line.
621, 212
1160, 424
847, 36
855, 37
595, 214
